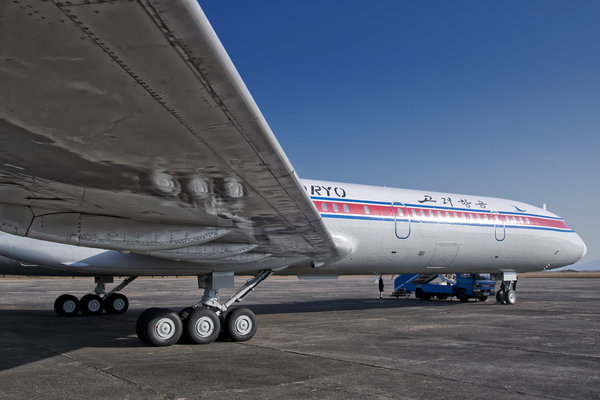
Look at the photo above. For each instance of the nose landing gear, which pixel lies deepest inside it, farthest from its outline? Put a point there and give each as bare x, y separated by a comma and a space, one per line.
508, 288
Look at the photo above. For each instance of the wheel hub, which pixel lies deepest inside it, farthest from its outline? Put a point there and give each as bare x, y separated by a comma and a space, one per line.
204, 327
164, 328
118, 304
94, 305
69, 306
243, 325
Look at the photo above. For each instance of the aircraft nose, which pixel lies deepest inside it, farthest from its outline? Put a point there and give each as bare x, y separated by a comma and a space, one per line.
579, 247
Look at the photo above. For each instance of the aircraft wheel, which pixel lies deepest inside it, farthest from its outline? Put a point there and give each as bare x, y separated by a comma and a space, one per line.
501, 297
66, 305
511, 297
162, 327
140, 323
202, 326
462, 295
91, 304
116, 303
241, 324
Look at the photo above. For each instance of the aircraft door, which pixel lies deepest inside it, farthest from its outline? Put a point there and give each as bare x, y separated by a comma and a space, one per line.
499, 227
401, 220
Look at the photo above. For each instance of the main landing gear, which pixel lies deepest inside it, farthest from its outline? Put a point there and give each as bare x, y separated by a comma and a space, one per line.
93, 303
205, 321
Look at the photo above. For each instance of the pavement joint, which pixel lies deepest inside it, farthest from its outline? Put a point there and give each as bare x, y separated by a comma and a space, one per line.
101, 371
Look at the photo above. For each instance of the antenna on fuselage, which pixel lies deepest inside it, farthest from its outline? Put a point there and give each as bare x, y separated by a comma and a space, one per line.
544, 207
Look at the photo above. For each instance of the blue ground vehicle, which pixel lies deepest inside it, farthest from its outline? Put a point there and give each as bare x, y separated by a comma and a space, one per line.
464, 287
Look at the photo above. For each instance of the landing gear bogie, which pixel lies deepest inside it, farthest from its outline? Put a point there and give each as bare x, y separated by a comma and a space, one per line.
206, 321
93, 303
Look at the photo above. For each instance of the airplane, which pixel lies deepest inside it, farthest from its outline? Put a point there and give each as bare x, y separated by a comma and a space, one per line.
130, 147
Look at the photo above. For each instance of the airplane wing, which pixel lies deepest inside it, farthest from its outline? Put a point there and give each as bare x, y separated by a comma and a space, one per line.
124, 125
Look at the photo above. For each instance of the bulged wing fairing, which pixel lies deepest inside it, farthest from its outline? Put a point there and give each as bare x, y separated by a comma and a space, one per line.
124, 125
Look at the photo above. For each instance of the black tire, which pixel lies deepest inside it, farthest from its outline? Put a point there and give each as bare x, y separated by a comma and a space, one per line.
202, 326
501, 297
482, 298
162, 327
91, 304
116, 303
462, 295
66, 305
426, 296
511, 297
140, 323
241, 324
183, 314
442, 297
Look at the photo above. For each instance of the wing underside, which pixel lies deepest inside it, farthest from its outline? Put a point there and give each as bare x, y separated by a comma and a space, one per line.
125, 126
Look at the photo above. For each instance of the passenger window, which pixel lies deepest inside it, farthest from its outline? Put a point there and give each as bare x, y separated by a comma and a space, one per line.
400, 212
414, 212
422, 213
447, 215
520, 220
346, 209
367, 211
456, 215
324, 206
431, 213
528, 221
471, 217
335, 207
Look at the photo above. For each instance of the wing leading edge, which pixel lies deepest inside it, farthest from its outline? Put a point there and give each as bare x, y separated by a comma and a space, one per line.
123, 120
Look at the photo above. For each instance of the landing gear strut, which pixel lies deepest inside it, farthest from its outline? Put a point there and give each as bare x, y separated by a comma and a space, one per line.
205, 321
93, 303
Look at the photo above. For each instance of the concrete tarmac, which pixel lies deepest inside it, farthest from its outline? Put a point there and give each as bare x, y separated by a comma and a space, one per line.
316, 339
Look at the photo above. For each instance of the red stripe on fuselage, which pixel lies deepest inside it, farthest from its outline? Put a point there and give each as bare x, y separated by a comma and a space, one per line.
447, 216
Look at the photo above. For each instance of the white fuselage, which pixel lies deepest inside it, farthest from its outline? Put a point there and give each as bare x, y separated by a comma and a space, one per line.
382, 230
402, 231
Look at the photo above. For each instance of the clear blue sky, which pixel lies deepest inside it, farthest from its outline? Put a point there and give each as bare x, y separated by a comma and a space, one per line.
496, 98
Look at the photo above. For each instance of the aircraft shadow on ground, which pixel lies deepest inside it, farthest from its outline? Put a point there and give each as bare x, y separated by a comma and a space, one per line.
345, 305
33, 335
